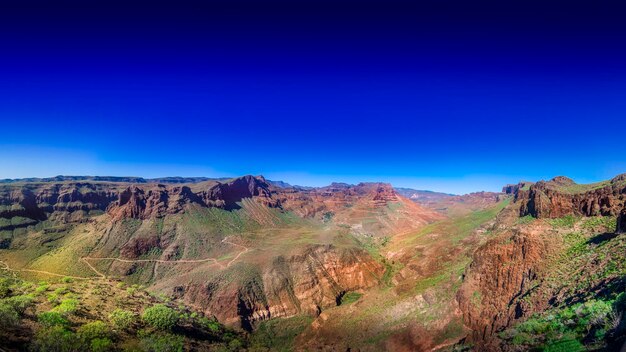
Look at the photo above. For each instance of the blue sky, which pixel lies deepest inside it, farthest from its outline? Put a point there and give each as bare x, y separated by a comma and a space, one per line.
447, 96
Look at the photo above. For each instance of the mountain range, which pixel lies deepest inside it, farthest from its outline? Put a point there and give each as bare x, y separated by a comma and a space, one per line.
250, 264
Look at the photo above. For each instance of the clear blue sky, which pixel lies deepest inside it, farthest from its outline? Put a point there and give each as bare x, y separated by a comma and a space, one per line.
444, 95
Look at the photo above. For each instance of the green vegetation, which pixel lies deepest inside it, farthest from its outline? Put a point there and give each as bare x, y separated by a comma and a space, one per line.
101, 345
592, 323
67, 306
526, 219
160, 317
66, 327
565, 329
94, 330
122, 319
161, 342
600, 223
8, 316
51, 318
566, 221
350, 298
459, 227
55, 338
20, 303
582, 188
279, 334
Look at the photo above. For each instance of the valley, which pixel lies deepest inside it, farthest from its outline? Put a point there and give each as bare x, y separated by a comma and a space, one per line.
276, 267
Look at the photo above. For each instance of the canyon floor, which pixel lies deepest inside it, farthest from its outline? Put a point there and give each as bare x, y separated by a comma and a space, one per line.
251, 264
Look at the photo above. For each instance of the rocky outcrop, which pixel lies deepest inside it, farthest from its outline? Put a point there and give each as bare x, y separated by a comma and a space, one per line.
502, 270
561, 196
19, 202
304, 283
621, 222
140, 200
335, 197
137, 203
384, 193
513, 189
227, 195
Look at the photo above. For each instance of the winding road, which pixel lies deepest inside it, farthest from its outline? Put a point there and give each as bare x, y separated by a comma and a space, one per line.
103, 276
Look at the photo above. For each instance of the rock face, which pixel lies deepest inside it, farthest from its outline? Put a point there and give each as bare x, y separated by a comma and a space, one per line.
305, 283
142, 200
37, 201
513, 189
621, 222
137, 203
499, 285
226, 195
240, 284
501, 271
561, 196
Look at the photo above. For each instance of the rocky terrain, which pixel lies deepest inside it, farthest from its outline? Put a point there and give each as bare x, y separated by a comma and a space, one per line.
564, 249
342, 267
210, 243
561, 196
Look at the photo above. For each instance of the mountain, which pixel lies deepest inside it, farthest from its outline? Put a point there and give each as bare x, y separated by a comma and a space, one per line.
553, 273
131, 179
250, 264
451, 204
422, 195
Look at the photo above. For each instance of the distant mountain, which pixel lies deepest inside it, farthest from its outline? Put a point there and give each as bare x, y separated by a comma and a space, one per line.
282, 184
124, 179
422, 195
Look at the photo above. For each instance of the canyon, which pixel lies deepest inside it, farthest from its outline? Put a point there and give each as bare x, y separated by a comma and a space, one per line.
355, 267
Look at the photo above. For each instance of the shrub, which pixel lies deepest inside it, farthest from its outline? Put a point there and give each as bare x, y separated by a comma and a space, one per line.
162, 342
565, 345
55, 339
5, 287
67, 306
21, 303
67, 280
62, 290
94, 330
161, 317
42, 288
122, 319
235, 345
210, 324
53, 298
52, 319
9, 317
101, 345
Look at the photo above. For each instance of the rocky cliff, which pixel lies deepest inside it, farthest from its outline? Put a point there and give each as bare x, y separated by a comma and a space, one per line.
561, 196
142, 200
529, 266
502, 271
305, 283
621, 222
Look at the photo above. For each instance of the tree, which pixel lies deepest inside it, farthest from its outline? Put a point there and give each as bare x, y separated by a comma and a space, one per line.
160, 316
